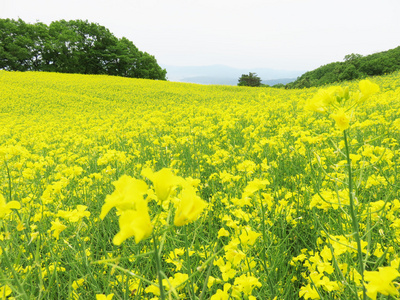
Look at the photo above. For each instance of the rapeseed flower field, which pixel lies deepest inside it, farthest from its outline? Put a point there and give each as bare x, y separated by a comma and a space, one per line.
116, 188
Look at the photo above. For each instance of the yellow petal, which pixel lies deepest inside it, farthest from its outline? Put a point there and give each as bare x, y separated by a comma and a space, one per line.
342, 119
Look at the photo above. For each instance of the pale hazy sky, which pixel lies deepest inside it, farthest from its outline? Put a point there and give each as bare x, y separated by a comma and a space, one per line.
278, 34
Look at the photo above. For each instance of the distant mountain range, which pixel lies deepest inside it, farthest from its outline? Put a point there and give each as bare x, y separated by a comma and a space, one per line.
224, 75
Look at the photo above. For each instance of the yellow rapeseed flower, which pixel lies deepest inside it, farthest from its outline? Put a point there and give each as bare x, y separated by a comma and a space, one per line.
177, 280
5, 208
309, 292
134, 223
342, 119
74, 215
78, 283
134, 219
5, 291
325, 98
57, 227
164, 181
367, 88
128, 191
248, 236
223, 232
247, 283
222, 294
189, 206
104, 297
254, 186
381, 281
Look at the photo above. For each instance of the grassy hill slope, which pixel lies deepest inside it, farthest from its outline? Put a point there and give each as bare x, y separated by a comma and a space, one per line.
85, 159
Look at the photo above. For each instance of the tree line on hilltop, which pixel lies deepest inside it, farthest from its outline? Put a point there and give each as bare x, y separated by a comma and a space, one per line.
354, 66
74, 46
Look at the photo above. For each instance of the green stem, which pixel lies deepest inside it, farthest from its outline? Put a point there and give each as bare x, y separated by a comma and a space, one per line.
263, 254
9, 181
263, 251
142, 279
353, 214
188, 266
158, 266
15, 275
203, 292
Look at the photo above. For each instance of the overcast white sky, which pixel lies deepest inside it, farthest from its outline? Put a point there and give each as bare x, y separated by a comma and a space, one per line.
278, 34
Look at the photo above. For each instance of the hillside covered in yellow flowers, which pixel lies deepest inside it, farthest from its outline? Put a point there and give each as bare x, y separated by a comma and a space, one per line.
117, 188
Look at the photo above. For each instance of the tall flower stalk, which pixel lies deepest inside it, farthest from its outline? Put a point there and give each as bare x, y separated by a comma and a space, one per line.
340, 104
353, 212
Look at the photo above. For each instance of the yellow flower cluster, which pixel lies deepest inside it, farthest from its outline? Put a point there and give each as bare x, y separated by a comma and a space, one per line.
339, 102
132, 208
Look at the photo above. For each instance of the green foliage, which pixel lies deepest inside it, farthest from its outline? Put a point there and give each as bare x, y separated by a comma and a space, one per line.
74, 46
249, 80
279, 86
354, 66
353, 56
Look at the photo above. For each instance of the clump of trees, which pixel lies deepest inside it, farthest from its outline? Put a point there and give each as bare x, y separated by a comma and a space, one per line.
74, 46
249, 80
354, 66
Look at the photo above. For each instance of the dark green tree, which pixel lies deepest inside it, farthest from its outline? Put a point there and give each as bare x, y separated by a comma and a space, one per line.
60, 52
249, 80
127, 57
349, 72
148, 68
352, 56
15, 45
74, 46
80, 47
